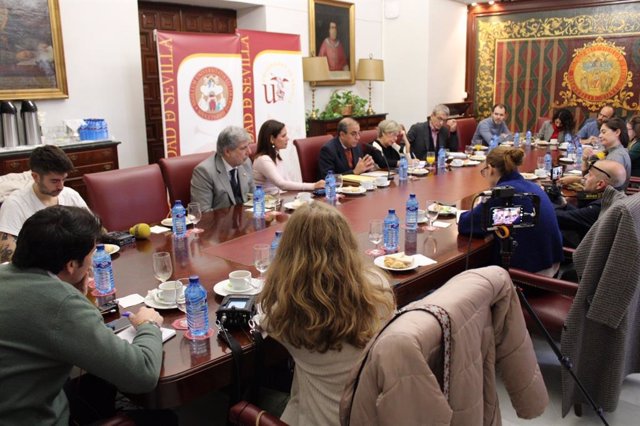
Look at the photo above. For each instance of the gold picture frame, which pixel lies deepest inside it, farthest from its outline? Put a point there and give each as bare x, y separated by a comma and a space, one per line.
332, 22
31, 54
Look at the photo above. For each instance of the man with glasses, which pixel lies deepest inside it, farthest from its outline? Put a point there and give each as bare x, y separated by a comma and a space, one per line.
575, 222
492, 126
225, 178
432, 134
591, 129
343, 153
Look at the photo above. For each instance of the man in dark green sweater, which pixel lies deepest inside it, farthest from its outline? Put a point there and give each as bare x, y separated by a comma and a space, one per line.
47, 325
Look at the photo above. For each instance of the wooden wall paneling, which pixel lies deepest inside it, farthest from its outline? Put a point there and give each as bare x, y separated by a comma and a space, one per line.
170, 17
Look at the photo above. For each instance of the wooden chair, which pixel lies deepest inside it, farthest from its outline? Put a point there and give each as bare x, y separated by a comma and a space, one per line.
177, 172
368, 136
466, 127
308, 152
245, 414
124, 197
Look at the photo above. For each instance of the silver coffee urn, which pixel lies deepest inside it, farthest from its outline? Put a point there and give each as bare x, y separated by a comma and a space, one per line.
29, 115
9, 119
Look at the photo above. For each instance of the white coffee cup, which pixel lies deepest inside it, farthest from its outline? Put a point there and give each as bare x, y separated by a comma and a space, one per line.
368, 184
240, 280
167, 291
382, 181
303, 197
422, 215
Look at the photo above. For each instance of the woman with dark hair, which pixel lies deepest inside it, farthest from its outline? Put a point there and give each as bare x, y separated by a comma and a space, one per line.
323, 302
268, 168
539, 248
633, 130
560, 125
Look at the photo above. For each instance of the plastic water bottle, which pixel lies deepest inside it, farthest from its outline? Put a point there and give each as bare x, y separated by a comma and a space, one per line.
391, 232
494, 143
442, 160
570, 147
411, 218
330, 187
258, 202
403, 169
197, 308
274, 245
179, 219
578, 161
547, 162
102, 271
516, 140
528, 138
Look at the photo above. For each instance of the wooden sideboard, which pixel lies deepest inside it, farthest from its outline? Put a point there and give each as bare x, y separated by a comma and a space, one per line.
329, 127
87, 157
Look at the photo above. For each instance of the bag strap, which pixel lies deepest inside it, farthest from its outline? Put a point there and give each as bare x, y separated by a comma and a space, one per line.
445, 323
236, 353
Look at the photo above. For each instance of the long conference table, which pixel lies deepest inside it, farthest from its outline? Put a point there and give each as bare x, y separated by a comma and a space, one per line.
193, 368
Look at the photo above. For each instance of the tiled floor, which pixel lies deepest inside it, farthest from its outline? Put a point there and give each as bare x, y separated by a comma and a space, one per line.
211, 410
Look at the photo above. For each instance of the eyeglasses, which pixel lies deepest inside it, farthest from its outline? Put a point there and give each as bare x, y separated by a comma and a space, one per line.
440, 119
593, 166
354, 133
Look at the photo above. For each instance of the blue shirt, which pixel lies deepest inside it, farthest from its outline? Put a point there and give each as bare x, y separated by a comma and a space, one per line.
590, 128
487, 129
538, 247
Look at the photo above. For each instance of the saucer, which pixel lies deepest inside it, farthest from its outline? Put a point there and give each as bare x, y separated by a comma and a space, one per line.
222, 288
384, 185
111, 248
153, 301
352, 190
169, 221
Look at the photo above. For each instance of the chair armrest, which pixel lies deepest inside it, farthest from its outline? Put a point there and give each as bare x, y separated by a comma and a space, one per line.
244, 413
554, 285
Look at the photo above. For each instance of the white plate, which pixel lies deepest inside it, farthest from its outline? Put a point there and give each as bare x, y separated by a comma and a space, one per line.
574, 172
466, 163
418, 172
542, 143
446, 210
566, 160
379, 261
222, 288
352, 190
478, 157
169, 221
422, 220
385, 185
155, 302
111, 248
479, 147
530, 176
563, 146
292, 205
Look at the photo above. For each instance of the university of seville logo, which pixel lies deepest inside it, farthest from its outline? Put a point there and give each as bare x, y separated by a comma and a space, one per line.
277, 84
598, 74
211, 93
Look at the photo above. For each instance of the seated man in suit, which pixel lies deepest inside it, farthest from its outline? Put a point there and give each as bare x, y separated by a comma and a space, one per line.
575, 222
492, 126
590, 131
433, 134
343, 154
225, 178
50, 167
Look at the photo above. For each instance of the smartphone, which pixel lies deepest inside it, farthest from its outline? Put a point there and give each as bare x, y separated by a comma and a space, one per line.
319, 192
506, 215
119, 324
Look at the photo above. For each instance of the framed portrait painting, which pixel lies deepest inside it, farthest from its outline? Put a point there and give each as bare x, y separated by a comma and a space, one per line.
332, 34
31, 54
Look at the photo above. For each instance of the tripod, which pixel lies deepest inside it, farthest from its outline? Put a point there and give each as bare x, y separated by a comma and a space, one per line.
507, 245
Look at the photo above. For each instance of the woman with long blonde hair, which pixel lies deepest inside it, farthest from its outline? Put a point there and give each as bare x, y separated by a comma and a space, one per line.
323, 304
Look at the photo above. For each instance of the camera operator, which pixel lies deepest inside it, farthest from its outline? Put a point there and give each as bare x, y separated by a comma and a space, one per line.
539, 248
574, 221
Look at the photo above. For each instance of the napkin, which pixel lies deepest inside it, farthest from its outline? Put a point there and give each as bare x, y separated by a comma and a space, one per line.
130, 300
457, 155
439, 224
423, 260
157, 229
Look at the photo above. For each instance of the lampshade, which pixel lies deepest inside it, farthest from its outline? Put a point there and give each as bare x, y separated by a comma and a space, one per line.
315, 68
370, 69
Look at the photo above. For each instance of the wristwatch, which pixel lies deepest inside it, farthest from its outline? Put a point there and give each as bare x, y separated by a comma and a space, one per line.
152, 322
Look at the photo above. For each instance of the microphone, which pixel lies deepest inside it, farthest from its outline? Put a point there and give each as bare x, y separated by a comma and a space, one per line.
384, 157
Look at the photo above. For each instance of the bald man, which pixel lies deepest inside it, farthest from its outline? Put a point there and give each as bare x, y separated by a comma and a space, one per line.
575, 222
591, 130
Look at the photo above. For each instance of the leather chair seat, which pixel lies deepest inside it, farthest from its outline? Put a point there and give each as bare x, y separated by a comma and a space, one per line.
177, 172
465, 128
308, 153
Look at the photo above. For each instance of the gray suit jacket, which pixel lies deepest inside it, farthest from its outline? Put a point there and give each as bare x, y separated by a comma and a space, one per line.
211, 187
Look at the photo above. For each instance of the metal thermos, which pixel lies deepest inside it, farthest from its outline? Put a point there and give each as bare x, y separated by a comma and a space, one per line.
9, 118
29, 114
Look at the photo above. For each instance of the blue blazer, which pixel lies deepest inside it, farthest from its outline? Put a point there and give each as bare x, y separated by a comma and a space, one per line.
332, 157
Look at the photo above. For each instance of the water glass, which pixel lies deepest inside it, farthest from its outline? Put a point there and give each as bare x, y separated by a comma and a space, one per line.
181, 303
162, 267
194, 214
376, 227
433, 210
261, 258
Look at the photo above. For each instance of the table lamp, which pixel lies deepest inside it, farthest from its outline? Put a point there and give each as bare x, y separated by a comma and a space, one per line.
314, 68
372, 70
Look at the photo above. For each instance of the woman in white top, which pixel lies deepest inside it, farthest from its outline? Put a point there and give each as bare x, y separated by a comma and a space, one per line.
268, 168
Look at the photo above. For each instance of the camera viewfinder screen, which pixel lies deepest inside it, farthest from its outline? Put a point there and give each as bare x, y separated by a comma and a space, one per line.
237, 304
506, 215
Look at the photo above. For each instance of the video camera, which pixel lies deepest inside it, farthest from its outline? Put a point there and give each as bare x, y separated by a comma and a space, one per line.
507, 208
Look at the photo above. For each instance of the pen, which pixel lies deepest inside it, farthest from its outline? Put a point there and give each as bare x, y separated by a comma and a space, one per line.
126, 314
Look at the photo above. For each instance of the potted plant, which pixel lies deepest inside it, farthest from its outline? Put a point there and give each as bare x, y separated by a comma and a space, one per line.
343, 103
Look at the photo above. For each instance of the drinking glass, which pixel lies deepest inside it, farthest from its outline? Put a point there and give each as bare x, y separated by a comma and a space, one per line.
162, 267
261, 258
468, 150
432, 210
181, 303
339, 183
431, 158
375, 236
194, 214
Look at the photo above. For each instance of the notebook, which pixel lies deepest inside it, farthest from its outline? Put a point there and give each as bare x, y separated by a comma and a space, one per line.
130, 332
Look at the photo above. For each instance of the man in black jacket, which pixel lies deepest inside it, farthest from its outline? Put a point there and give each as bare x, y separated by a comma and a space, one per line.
432, 134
